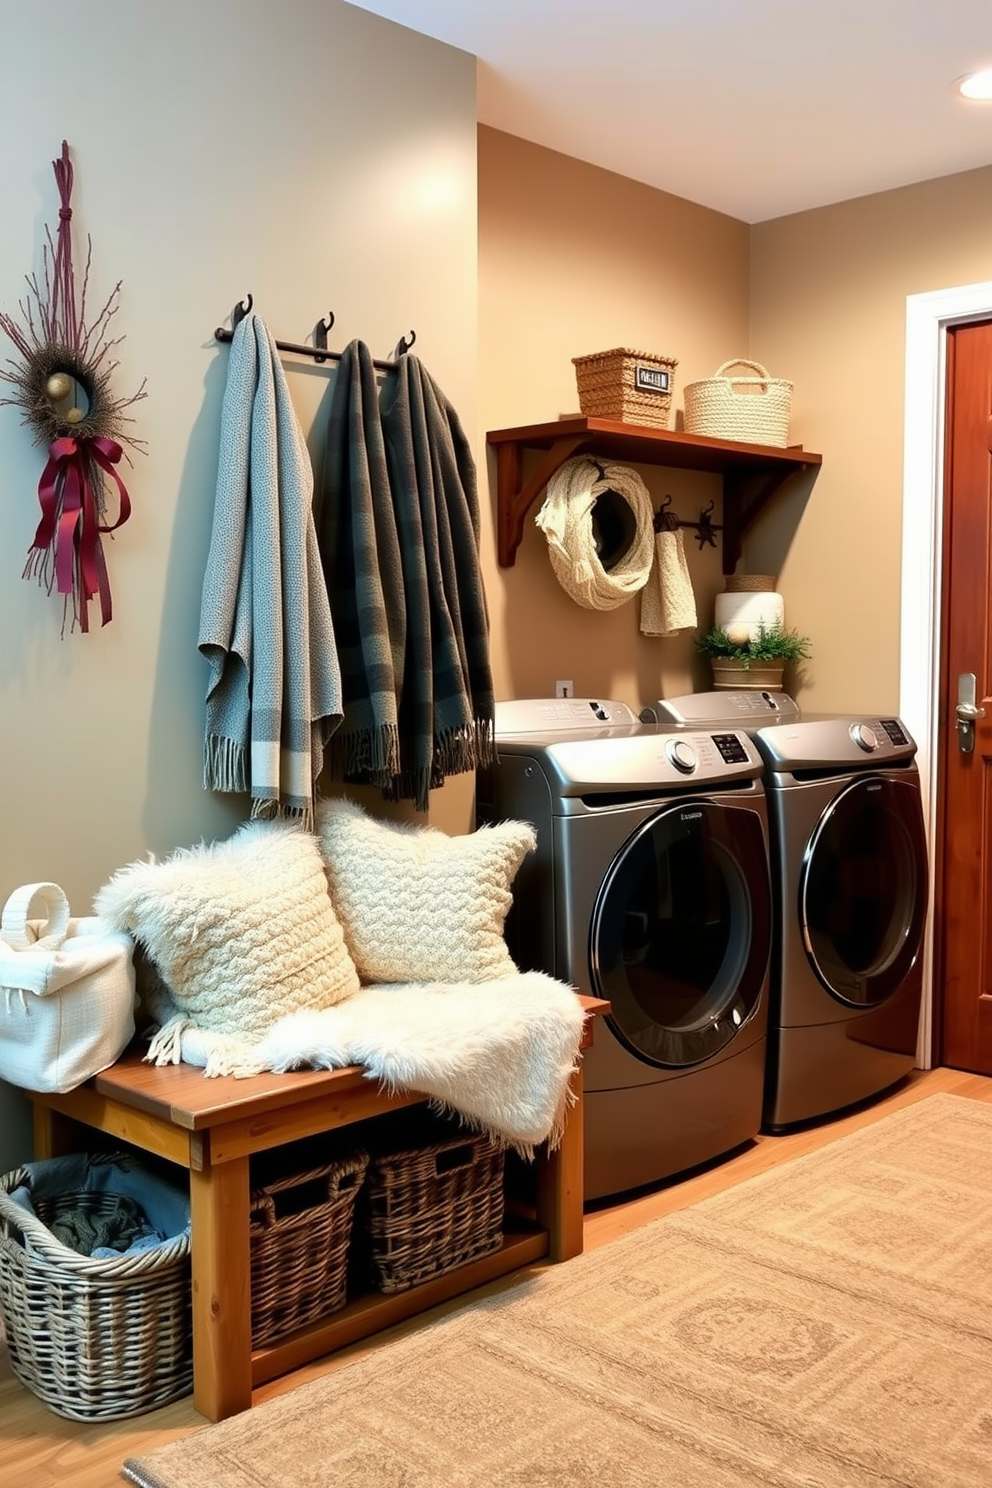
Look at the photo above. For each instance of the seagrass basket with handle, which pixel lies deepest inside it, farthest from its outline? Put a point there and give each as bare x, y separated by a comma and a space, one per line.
751, 409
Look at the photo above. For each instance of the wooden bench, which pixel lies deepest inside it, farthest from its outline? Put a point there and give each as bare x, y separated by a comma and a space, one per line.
212, 1128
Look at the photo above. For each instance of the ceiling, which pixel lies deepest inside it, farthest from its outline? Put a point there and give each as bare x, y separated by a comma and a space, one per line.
757, 108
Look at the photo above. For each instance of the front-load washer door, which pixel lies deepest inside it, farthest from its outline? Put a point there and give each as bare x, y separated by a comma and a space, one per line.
681, 931
863, 890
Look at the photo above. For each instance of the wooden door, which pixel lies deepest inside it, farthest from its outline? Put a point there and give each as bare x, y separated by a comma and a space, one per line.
963, 944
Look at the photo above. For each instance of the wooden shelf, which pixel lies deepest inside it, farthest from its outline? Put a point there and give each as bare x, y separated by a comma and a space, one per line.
752, 473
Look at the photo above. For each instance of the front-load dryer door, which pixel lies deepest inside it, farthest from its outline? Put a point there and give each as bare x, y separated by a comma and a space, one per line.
681, 930
863, 890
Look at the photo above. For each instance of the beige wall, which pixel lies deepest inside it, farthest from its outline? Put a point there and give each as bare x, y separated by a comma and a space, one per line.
828, 309
308, 152
574, 259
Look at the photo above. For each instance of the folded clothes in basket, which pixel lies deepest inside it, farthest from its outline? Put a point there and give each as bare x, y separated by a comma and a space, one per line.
142, 1210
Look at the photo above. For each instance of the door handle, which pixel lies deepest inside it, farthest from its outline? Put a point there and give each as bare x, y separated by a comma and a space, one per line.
967, 712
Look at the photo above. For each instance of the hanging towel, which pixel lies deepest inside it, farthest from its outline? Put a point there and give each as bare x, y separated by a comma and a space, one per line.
668, 604
359, 547
274, 689
447, 708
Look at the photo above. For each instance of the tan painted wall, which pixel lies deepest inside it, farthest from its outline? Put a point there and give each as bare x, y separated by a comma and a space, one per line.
828, 309
574, 259
308, 152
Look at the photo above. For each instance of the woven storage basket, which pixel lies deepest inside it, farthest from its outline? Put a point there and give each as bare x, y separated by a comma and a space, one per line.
634, 387
96, 1340
299, 1233
752, 410
429, 1209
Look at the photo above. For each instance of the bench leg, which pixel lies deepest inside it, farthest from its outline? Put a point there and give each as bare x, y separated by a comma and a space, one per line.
560, 1184
221, 1289
56, 1135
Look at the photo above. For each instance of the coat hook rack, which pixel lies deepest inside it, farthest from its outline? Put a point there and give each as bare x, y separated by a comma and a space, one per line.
319, 350
706, 529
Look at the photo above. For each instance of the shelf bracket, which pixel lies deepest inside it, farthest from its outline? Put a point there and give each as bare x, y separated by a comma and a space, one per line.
742, 503
515, 496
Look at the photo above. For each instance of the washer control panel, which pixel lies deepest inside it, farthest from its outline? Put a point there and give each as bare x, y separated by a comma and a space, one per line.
864, 736
731, 749
682, 755
645, 761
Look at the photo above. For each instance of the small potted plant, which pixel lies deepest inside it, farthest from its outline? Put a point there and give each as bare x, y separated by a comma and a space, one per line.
745, 661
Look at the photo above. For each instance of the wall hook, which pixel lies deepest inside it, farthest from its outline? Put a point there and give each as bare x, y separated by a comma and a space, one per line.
240, 311
320, 331
405, 343
706, 528
666, 520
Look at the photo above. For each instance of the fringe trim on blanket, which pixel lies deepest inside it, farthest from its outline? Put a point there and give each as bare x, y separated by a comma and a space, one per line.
279, 811
225, 764
374, 752
167, 1045
240, 1063
456, 752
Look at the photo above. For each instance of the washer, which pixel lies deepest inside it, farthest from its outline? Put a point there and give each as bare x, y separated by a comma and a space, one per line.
851, 883
650, 887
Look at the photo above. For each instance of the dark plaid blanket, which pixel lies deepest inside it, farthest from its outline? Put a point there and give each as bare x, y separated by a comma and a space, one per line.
399, 530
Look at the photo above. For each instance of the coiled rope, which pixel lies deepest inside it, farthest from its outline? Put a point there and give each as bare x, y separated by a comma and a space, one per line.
566, 521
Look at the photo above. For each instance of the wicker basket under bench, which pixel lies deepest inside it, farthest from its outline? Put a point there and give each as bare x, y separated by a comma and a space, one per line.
213, 1128
429, 1206
95, 1339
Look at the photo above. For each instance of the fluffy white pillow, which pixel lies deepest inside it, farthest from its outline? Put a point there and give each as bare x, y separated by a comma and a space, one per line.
417, 905
242, 932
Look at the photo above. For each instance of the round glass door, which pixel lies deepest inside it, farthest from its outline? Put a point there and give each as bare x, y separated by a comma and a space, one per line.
863, 890
681, 932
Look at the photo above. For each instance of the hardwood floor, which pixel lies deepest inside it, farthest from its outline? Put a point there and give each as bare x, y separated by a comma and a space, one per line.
39, 1449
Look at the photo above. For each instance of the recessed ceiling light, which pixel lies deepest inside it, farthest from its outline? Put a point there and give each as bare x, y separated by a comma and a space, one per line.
976, 86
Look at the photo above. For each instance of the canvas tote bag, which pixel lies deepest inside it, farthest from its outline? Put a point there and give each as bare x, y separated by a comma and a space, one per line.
66, 992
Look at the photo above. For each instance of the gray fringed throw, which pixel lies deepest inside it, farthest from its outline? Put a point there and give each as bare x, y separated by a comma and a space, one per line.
274, 690
447, 708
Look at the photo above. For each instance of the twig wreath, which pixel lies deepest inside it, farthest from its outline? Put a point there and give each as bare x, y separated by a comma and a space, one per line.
62, 381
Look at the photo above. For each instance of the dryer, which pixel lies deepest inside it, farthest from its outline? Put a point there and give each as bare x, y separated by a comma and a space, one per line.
851, 880
649, 886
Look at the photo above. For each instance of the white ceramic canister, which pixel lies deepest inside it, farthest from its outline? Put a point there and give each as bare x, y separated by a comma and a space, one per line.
749, 602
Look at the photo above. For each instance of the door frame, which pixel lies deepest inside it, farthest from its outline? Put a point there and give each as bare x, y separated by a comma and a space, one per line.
928, 317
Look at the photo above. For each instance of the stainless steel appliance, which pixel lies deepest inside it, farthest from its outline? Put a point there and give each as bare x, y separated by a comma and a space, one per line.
850, 876
650, 887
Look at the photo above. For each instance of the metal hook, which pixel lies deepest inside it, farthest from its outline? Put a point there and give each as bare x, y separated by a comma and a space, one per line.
665, 520
706, 528
320, 331
240, 311
405, 343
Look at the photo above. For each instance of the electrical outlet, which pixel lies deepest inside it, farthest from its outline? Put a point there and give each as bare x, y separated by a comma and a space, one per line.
564, 689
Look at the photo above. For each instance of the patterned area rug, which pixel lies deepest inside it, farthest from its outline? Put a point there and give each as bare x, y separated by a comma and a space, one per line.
825, 1325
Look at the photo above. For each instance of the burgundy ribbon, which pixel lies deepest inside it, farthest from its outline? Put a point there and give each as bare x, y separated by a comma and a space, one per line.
70, 518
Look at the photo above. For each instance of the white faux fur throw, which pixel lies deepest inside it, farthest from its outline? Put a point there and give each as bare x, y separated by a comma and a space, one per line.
500, 1055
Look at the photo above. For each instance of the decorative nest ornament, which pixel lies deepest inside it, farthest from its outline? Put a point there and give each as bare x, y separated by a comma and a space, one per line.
62, 382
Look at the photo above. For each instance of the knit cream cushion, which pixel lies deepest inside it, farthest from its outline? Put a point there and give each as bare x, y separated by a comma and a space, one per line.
417, 905
242, 931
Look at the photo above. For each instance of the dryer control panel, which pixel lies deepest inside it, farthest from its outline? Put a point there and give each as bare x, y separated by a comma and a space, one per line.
818, 743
